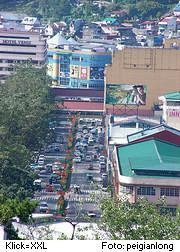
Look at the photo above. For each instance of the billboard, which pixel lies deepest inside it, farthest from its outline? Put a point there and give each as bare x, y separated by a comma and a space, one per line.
97, 73
118, 94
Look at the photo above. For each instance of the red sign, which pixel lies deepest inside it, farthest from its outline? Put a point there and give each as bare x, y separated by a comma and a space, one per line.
174, 113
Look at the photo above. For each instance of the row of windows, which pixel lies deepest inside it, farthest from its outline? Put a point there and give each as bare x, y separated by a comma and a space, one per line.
14, 37
165, 191
142, 190
64, 81
6, 69
22, 53
175, 103
173, 192
17, 61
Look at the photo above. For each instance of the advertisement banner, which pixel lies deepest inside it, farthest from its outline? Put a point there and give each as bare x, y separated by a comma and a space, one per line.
84, 73
173, 113
97, 73
121, 94
74, 71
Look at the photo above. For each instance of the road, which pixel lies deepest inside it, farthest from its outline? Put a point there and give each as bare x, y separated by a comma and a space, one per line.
79, 203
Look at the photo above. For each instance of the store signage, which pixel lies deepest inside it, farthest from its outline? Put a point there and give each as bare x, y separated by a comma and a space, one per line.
174, 113
16, 42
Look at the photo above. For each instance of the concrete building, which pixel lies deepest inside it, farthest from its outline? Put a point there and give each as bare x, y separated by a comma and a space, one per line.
171, 109
77, 65
19, 47
148, 169
137, 76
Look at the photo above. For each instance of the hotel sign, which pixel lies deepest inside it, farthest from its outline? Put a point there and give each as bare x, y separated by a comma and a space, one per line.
173, 113
15, 42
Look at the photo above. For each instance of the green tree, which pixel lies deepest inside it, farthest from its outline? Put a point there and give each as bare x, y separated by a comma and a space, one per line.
25, 103
139, 221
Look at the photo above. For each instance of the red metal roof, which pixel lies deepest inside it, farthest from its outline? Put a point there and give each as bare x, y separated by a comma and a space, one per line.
79, 106
77, 92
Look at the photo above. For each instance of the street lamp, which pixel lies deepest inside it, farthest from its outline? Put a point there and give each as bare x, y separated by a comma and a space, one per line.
73, 224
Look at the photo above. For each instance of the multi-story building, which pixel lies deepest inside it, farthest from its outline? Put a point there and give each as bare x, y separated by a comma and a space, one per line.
75, 65
19, 47
148, 169
171, 109
138, 76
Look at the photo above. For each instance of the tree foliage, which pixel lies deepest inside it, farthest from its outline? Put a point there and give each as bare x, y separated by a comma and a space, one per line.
56, 10
140, 221
24, 108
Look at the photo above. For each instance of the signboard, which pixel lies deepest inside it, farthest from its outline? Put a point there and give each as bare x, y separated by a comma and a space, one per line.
84, 73
15, 42
173, 113
119, 94
74, 71
97, 73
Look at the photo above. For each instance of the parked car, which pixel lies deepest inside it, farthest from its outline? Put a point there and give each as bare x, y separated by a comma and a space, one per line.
88, 158
37, 184
43, 207
102, 158
77, 189
90, 166
77, 159
41, 160
91, 214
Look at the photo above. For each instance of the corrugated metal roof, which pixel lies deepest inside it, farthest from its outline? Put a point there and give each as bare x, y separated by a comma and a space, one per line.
175, 96
147, 155
82, 106
77, 92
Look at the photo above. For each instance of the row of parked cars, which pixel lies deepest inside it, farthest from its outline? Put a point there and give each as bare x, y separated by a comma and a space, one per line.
87, 147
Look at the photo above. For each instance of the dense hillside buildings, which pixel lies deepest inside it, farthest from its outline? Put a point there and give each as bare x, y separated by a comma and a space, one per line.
19, 47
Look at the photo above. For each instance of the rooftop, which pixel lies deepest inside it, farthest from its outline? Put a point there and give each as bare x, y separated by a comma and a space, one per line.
175, 96
152, 158
82, 106
150, 132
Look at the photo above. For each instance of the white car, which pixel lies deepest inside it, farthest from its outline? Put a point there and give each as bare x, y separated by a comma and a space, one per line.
41, 161
77, 160
88, 158
43, 207
102, 158
91, 214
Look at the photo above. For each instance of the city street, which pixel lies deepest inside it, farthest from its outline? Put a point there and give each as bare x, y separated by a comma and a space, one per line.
88, 186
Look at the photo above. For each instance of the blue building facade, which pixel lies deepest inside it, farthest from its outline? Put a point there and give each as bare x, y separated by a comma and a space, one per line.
77, 69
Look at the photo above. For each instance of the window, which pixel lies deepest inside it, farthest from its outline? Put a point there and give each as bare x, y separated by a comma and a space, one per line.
168, 210
15, 37
10, 69
74, 82
75, 58
23, 53
127, 189
3, 44
169, 191
98, 86
146, 190
64, 81
173, 103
